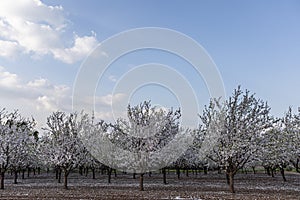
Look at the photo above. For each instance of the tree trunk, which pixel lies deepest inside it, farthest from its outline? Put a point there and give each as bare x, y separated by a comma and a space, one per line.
134, 175
15, 177
187, 172
227, 178
66, 173
282, 173
109, 174
2, 180
93, 171
23, 173
178, 172
142, 182
86, 171
28, 172
164, 175
59, 175
80, 170
268, 170
231, 182
253, 168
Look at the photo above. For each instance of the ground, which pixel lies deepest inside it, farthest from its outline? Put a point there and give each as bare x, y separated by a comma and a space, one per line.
210, 186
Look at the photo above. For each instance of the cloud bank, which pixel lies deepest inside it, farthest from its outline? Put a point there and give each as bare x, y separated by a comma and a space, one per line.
39, 98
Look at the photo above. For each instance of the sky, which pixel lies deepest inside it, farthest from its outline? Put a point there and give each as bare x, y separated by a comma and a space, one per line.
44, 44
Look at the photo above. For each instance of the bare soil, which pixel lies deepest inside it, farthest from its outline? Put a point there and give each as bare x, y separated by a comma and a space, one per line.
210, 186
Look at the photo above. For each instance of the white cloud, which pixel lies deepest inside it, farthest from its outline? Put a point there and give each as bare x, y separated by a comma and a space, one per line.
82, 47
40, 97
35, 28
7, 79
46, 103
37, 83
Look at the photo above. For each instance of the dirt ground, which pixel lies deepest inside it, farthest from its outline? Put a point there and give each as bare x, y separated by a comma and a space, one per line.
210, 186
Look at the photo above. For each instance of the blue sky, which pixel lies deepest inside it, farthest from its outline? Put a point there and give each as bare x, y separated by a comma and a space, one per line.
255, 44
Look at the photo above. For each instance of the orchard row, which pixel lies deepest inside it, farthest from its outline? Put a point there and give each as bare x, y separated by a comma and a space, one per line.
233, 134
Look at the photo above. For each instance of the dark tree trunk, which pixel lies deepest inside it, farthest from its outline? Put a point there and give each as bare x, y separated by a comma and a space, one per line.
178, 172
227, 178
15, 177
93, 171
268, 171
134, 175
28, 172
296, 165
282, 173
34, 171
231, 182
86, 171
66, 174
115, 171
187, 172
23, 173
59, 175
142, 182
80, 170
272, 172
253, 168
2, 180
109, 174
164, 175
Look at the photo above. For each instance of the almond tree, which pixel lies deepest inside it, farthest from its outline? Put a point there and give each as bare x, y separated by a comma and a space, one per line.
14, 138
23, 153
147, 130
292, 129
238, 122
62, 146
